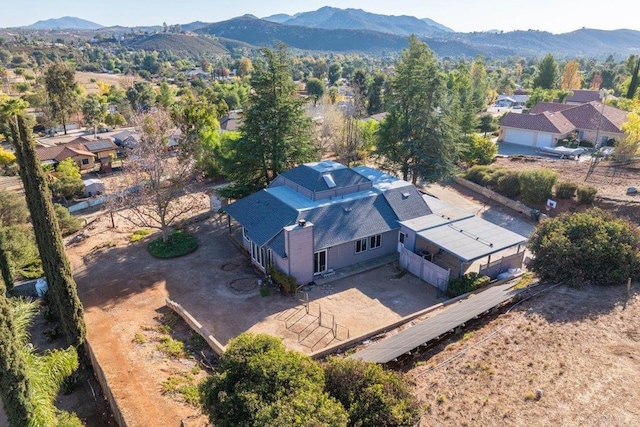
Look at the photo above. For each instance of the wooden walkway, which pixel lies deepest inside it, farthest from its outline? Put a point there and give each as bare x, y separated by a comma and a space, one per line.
403, 342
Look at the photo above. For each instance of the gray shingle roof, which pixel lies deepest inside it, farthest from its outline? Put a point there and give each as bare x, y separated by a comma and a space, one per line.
311, 179
406, 202
277, 245
263, 215
339, 223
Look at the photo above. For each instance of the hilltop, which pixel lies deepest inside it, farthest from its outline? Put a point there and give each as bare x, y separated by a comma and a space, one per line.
180, 44
66, 22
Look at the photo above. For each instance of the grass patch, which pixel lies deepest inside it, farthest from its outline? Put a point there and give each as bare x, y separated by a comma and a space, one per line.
182, 385
171, 348
525, 280
180, 243
139, 235
139, 338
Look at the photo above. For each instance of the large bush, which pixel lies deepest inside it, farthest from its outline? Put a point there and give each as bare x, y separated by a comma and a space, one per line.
566, 190
509, 184
68, 223
371, 395
589, 247
467, 283
536, 185
261, 383
479, 150
586, 194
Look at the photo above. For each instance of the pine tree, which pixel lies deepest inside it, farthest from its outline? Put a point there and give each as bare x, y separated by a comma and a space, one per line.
633, 85
47, 232
5, 267
417, 137
14, 387
276, 134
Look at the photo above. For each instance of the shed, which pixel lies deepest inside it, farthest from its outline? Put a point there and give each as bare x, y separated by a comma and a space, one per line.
93, 187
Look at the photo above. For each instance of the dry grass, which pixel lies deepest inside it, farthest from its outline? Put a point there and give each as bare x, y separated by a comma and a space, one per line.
88, 80
579, 348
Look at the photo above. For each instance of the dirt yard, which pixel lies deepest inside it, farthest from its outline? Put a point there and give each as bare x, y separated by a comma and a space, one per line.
579, 348
610, 180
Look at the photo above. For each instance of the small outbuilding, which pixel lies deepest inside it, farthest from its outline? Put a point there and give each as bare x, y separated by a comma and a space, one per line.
93, 187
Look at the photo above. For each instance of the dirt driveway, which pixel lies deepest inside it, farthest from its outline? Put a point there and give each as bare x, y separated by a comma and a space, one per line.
123, 289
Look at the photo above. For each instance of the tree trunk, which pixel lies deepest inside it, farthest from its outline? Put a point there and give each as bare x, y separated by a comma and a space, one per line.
64, 124
47, 232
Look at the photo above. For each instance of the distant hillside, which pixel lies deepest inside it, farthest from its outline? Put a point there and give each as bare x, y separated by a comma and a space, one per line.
180, 44
264, 33
437, 25
66, 22
332, 18
192, 26
583, 42
280, 18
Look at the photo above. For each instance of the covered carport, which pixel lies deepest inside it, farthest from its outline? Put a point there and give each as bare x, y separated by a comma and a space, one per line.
459, 244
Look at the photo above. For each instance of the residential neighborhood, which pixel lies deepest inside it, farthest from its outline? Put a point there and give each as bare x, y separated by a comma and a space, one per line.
339, 217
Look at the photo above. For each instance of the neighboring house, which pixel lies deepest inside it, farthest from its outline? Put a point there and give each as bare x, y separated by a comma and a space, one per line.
231, 121
78, 152
511, 100
580, 96
125, 139
104, 149
197, 73
320, 217
547, 123
377, 117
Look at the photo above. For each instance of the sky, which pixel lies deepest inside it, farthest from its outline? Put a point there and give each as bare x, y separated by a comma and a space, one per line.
555, 16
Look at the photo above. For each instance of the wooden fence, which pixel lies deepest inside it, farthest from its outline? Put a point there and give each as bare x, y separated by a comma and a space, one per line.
494, 268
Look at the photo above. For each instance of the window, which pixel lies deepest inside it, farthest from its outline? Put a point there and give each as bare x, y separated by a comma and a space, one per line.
245, 234
85, 161
375, 241
361, 245
402, 237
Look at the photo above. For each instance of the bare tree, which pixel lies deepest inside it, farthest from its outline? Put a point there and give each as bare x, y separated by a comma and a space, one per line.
327, 130
159, 175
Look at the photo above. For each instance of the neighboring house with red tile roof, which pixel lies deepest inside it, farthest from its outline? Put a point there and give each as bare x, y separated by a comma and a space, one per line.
580, 96
548, 123
83, 151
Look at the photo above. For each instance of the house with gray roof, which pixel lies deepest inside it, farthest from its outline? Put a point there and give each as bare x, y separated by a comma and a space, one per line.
321, 217
548, 122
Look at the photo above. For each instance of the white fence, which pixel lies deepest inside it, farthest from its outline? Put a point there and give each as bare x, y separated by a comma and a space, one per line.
427, 271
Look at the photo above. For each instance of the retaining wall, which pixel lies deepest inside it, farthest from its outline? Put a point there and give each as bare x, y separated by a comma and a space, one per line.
106, 390
196, 326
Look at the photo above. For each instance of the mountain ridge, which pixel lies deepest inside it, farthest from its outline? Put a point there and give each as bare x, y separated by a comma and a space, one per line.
65, 22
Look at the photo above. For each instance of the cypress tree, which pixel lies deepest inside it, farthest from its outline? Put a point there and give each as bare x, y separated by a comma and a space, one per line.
633, 85
14, 388
5, 268
47, 232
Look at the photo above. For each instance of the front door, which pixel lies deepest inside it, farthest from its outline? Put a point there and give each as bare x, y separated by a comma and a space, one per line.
320, 262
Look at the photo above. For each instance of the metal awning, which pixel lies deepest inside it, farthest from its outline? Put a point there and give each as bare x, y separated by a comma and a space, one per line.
472, 238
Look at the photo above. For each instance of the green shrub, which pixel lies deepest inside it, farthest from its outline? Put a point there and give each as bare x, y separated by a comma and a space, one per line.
536, 185
509, 184
287, 283
566, 190
586, 194
371, 395
171, 348
589, 247
180, 243
478, 174
139, 235
467, 283
68, 223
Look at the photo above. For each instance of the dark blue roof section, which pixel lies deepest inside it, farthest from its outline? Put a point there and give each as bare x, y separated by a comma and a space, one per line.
277, 245
263, 215
311, 179
407, 202
354, 219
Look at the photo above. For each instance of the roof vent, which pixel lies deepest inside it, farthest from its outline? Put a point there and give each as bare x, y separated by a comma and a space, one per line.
302, 222
406, 195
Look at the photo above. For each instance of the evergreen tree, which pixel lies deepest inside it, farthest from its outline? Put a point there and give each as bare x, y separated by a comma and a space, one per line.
276, 133
375, 102
417, 137
62, 92
633, 85
47, 232
547, 73
14, 387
